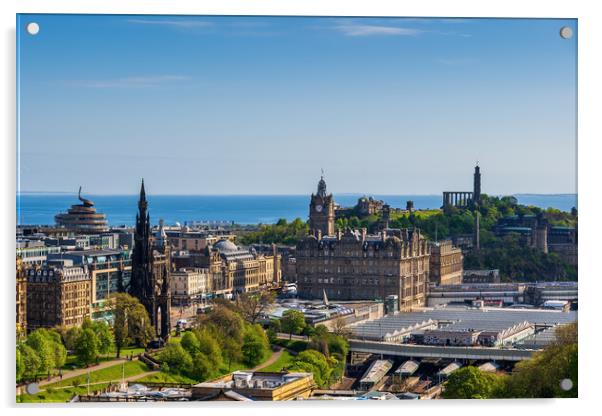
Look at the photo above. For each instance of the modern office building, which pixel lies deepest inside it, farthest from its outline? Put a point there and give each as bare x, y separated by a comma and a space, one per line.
82, 218
34, 251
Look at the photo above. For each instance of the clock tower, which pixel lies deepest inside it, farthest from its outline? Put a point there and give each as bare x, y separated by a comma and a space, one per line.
321, 212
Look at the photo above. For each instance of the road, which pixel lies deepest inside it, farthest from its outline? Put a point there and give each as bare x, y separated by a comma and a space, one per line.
269, 361
80, 371
127, 379
423, 351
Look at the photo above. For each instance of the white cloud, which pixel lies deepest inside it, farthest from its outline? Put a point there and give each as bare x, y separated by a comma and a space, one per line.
129, 82
371, 30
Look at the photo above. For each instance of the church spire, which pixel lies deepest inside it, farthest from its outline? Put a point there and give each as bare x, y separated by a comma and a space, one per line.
142, 203
142, 191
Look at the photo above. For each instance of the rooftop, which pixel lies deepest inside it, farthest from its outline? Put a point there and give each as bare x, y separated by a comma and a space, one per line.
485, 319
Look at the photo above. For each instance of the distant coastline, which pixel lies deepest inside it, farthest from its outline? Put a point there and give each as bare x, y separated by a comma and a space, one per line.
241, 209
355, 194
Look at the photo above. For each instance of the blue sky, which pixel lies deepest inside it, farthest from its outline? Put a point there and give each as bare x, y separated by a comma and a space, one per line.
258, 105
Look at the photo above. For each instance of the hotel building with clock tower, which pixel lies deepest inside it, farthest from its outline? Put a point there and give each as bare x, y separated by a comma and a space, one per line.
353, 265
321, 212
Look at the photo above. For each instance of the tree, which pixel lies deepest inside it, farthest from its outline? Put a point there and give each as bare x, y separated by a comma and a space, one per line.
472, 383
228, 323
105, 337
190, 343
209, 346
131, 322
253, 305
103, 333
176, 357
60, 354
202, 367
141, 330
308, 331
321, 331
316, 363
340, 327
87, 345
540, 376
293, 322
20, 368
231, 351
255, 345
70, 337
338, 345
319, 344
39, 341
276, 325
29, 361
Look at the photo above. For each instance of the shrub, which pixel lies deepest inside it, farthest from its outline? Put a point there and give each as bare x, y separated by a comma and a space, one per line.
176, 357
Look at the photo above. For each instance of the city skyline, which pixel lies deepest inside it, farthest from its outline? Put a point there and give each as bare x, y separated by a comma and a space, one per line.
178, 99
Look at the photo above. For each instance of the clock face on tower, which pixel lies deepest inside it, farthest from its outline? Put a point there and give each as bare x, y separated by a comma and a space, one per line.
319, 208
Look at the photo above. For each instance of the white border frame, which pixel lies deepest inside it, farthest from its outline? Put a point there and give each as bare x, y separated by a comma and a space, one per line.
590, 29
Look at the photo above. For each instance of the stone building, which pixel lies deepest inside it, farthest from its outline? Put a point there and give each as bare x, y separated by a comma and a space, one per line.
465, 199
190, 286
367, 206
151, 269
110, 272
536, 232
196, 241
58, 293
322, 212
21, 303
445, 263
481, 276
246, 270
233, 269
255, 386
354, 265
563, 241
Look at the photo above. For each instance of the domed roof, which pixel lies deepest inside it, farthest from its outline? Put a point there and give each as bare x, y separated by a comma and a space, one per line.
226, 246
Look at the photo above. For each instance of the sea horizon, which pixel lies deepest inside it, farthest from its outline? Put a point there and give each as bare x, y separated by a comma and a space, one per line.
40, 208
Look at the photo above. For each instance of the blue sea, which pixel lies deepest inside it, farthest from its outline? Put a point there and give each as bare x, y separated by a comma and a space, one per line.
241, 209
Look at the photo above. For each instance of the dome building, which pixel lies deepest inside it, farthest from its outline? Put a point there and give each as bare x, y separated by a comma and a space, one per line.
244, 270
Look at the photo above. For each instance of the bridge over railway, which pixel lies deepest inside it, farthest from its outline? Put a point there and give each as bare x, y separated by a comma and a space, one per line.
429, 351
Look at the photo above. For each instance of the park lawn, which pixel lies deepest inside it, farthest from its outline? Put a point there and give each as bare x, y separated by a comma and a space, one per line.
283, 361
113, 373
128, 351
422, 213
163, 377
58, 395
72, 362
